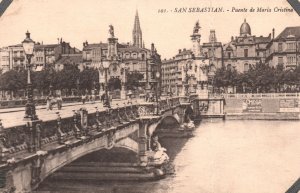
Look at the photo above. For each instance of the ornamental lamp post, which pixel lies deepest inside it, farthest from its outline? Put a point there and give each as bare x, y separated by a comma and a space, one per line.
157, 76
28, 46
106, 64
78, 84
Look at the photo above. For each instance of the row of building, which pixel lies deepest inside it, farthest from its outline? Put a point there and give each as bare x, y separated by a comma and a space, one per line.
124, 57
199, 63
13, 57
195, 65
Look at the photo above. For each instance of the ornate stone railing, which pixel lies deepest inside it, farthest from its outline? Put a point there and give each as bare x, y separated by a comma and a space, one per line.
36, 135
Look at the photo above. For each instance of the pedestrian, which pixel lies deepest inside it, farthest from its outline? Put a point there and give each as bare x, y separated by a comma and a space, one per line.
59, 102
93, 98
48, 103
83, 97
147, 97
102, 98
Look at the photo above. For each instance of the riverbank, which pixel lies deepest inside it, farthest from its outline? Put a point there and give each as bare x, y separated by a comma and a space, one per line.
262, 116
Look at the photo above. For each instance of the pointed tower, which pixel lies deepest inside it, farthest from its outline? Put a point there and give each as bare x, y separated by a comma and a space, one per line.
196, 39
137, 32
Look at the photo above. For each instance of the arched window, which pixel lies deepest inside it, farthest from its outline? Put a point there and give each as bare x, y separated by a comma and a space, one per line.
246, 67
134, 55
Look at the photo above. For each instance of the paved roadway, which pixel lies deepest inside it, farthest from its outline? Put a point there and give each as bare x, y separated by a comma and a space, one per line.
14, 116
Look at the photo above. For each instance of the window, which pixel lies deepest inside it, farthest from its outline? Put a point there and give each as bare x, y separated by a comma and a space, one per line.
245, 52
280, 60
228, 66
291, 59
134, 55
246, 67
229, 54
291, 46
279, 47
143, 66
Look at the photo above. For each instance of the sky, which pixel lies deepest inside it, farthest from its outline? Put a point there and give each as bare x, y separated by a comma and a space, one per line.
79, 20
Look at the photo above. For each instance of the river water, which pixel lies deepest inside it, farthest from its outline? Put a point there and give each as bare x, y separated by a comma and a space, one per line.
223, 157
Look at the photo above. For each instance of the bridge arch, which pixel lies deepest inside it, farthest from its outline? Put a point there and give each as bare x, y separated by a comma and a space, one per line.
169, 121
58, 160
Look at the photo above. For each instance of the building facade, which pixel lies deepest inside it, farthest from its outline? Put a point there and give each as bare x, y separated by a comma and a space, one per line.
285, 49
240, 53
44, 55
132, 57
245, 50
4, 59
187, 71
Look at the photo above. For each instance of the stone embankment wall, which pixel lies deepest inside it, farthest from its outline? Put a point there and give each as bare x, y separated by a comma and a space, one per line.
263, 108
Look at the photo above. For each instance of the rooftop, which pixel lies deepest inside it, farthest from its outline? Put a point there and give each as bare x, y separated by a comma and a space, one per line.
289, 32
262, 39
70, 59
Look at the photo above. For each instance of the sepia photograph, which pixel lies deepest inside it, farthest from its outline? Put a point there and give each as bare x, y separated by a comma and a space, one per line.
140, 96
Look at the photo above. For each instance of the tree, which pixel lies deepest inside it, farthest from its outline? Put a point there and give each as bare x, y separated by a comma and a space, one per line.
133, 80
13, 81
88, 78
67, 78
226, 77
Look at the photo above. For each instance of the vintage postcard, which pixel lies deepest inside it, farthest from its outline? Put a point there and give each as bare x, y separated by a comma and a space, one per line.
140, 96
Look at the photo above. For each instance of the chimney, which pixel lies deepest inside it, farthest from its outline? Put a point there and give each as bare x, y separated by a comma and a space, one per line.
179, 51
152, 47
184, 49
83, 44
232, 38
273, 32
212, 36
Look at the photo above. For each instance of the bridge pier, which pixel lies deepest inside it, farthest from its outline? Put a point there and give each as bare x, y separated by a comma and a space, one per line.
143, 146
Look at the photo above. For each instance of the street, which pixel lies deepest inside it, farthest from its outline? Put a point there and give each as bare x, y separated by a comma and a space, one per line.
14, 116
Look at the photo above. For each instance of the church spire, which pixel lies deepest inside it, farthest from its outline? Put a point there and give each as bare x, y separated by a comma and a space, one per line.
137, 32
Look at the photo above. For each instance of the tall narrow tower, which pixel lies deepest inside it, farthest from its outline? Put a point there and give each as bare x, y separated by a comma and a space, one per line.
196, 38
137, 32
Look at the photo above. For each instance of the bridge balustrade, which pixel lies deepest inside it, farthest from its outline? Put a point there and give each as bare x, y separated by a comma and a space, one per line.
147, 109
257, 95
184, 99
33, 136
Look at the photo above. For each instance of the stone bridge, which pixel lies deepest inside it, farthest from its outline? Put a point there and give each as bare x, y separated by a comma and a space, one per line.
29, 153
